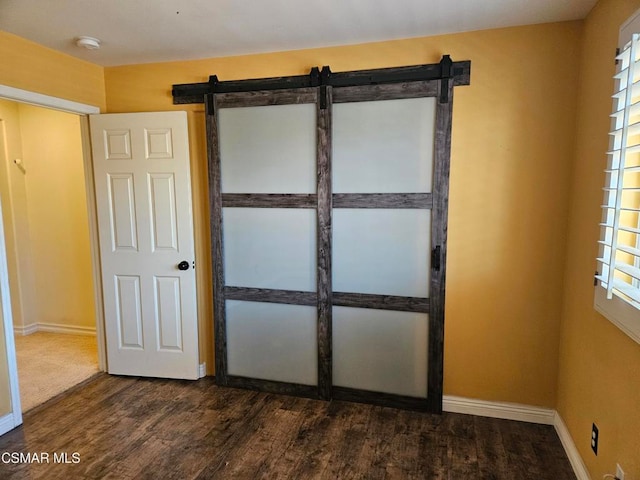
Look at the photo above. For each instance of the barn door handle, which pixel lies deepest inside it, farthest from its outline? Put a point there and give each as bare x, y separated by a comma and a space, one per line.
435, 258
183, 265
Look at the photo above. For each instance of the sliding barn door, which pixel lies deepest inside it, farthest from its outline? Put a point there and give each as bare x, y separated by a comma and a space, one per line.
265, 246
383, 164
329, 211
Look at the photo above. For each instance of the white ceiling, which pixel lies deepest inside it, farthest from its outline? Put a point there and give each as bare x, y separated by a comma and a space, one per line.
143, 31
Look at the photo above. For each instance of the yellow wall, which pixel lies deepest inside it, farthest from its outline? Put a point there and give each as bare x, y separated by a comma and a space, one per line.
15, 216
599, 375
29, 66
45, 217
512, 145
58, 219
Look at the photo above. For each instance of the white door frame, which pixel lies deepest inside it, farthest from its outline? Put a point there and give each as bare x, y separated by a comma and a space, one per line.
13, 418
82, 110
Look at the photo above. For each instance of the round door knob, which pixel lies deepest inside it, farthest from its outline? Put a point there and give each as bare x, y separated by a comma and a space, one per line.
184, 265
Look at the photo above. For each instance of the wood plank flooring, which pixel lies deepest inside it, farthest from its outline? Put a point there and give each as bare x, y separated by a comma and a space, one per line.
132, 428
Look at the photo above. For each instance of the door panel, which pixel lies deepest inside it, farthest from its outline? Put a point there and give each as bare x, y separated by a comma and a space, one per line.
265, 160
162, 202
143, 190
270, 248
382, 252
380, 351
129, 311
117, 144
272, 341
124, 231
384, 146
167, 314
158, 143
270, 149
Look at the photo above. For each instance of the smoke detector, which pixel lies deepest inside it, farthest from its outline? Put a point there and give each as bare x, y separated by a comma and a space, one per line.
89, 43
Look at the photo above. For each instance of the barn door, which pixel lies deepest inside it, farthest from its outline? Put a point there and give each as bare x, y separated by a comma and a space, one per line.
383, 183
329, 220
264, 213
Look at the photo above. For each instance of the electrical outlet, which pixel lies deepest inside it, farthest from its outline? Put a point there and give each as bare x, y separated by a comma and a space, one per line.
594, 439
619, 472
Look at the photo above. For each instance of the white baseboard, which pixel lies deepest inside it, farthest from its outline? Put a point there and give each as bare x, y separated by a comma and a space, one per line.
570, 448
507, 411
7, 422
54, 328
72, 329
522, 413
26, 330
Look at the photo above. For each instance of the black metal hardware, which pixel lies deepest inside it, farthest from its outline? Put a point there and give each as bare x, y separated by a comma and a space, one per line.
595, 279
209, 102
457, 72
446, 65
325, 75
213, 82
183, 265
314, 77
435, 258
324, 81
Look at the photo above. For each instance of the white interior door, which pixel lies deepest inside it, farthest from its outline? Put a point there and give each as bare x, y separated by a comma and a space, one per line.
145, 223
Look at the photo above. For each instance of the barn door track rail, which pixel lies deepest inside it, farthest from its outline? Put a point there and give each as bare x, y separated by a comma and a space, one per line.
446, 69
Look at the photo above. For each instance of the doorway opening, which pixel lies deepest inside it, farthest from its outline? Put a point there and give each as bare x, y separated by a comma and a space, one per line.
49, 258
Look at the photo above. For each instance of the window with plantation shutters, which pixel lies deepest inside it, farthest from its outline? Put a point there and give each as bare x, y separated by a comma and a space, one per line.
618, 286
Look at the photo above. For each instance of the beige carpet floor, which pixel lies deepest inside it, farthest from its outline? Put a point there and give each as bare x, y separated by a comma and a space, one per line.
50, 363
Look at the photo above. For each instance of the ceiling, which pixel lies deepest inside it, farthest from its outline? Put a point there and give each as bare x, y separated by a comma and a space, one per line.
144, 31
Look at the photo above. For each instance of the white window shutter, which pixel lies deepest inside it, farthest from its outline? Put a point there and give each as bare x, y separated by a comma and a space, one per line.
619, 252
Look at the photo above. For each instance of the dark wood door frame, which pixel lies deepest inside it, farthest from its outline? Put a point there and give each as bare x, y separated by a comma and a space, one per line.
324, 88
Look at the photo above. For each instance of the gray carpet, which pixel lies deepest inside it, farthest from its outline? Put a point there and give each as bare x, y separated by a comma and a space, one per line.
50, 363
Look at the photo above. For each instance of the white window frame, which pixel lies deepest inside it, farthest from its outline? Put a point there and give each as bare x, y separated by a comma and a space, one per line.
620, 311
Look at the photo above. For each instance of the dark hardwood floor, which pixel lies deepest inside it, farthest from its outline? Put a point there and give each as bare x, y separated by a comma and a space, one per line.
132, 428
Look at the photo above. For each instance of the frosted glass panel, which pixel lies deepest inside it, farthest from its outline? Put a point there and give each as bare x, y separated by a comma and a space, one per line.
270, 248
272, 341
380, 351
384, 146
381, 251
268, 149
